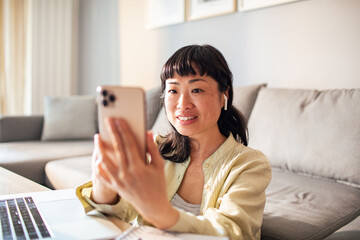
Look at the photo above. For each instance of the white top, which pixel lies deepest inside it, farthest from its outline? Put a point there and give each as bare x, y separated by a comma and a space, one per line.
178, 202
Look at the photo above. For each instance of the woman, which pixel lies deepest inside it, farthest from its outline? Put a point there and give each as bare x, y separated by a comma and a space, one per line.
201, 177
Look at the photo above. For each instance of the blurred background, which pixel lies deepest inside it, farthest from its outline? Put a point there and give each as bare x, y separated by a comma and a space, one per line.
68, 47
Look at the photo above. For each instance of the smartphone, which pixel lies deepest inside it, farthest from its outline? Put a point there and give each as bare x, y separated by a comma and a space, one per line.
123, 102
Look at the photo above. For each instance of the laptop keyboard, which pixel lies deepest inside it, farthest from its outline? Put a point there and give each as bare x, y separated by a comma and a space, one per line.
20, 219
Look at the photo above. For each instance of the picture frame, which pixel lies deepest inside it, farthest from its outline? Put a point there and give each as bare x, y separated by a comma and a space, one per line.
199, 9
247, 5
160, 13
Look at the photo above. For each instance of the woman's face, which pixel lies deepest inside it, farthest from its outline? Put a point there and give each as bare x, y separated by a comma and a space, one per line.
193, 105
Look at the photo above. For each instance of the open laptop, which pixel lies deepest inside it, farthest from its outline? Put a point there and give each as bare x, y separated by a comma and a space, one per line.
60, 215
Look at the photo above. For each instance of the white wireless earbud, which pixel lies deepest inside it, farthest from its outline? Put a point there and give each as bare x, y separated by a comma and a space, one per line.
225, 104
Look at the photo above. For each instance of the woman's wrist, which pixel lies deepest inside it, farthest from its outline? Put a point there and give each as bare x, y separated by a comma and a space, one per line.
103, 196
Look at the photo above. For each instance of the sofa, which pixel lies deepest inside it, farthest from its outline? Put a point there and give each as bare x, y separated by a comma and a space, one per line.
311, 138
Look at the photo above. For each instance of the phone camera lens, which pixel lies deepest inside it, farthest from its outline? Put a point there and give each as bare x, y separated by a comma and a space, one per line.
104, 93
104, 103
112, 98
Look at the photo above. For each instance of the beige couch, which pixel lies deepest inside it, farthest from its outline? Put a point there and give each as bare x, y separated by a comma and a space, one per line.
311, 138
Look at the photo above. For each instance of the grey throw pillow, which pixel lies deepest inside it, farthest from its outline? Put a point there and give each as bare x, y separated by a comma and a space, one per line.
245, 97
71, 117
162, 125
153, 105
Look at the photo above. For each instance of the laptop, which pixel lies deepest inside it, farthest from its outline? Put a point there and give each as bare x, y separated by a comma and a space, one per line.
59, 214
51, 214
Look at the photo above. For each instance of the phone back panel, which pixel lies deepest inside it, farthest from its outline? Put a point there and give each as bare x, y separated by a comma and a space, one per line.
123, 102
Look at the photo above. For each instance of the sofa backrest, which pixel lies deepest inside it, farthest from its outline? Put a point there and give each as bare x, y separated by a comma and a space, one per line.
308, 131
20, 128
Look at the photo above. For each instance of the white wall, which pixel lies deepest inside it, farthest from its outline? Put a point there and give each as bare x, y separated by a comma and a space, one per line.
306, 44
98, 45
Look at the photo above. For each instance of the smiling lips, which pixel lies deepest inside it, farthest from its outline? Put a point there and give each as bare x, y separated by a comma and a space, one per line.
186, 120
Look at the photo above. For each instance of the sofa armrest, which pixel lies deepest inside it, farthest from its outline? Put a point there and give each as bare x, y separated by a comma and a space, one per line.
20, 128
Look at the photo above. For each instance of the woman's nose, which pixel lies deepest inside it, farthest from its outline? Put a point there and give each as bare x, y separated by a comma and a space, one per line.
184, 102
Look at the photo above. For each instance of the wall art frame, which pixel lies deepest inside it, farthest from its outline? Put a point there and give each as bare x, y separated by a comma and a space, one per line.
161, 13
247, 5
199, 9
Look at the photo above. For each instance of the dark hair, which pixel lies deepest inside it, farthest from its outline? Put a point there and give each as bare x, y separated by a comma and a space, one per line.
209, 61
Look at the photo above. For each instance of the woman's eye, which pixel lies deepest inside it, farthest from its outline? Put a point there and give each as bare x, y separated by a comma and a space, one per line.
172, 91
197, 90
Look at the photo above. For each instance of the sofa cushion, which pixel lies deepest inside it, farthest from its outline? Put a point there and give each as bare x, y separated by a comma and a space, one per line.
245, 97
301, 207
162, 125
309, 131
153, 105
244, 100
71, 117
348, 232
28, 158
68, 173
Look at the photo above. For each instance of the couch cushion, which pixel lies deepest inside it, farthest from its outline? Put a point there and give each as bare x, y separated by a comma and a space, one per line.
244, 100
162, 125
71, 117
309, 131
348, 232
28, 158
153, 105
300, 207
245, 97
77, 171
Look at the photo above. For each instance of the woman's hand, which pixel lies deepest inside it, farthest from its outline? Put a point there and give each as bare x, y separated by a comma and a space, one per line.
127, 173
101, 193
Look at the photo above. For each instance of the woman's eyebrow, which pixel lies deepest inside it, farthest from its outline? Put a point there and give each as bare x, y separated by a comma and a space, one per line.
174, 82
197, 80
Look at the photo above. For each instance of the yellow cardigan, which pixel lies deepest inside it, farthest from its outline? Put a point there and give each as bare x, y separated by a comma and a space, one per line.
233, 199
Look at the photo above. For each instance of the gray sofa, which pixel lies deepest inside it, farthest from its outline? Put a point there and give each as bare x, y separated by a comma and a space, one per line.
311, 137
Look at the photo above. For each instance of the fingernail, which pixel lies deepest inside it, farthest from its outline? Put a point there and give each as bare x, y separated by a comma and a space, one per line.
150, 134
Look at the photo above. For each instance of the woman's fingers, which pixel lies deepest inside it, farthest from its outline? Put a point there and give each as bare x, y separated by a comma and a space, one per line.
102, 190
130, 144
110, 170
117, 144
103, 166
103, 174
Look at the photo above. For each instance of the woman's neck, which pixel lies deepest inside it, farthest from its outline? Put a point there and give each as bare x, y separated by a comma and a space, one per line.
203, 148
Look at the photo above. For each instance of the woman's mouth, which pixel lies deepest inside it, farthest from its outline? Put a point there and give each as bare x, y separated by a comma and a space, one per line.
186, 120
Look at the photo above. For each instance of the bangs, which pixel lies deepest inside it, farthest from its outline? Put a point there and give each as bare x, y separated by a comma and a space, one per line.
185, 62
195, 59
